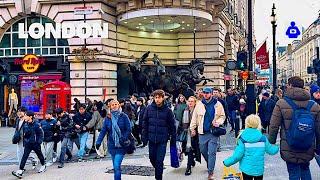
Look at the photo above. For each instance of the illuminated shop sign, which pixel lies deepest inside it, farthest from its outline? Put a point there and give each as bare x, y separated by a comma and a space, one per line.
30, 63
63, 30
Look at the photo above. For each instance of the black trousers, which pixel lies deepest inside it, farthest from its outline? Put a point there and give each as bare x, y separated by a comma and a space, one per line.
157, 153
27, 150
136, 133
248, 177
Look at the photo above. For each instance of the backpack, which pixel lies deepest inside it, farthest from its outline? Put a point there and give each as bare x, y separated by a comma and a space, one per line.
301, 133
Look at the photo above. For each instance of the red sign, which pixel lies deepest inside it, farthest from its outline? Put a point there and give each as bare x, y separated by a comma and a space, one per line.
245, 75
227, 77
265, 66
262, 56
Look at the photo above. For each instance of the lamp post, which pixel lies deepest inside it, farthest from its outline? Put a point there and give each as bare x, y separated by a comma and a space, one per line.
274, 66
250, 90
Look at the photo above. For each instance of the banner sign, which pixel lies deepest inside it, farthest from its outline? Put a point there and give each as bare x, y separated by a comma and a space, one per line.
265, 66
262, 56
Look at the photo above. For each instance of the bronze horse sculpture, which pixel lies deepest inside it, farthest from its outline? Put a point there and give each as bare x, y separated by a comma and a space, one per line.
182, 80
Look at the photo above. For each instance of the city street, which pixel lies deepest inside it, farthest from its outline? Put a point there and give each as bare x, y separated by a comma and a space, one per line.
275, 168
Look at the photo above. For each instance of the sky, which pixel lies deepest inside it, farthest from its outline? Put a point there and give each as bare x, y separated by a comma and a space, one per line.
302, 12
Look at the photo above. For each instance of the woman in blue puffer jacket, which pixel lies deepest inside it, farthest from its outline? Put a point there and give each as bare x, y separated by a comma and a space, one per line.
250, 150
118, 128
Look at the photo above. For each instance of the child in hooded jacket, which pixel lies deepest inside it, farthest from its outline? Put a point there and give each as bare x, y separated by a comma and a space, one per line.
251, 148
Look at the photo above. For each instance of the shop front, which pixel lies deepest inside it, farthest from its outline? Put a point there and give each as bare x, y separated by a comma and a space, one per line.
27, 76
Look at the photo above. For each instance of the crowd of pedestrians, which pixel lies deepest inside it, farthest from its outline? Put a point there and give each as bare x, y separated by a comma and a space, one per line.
195, 122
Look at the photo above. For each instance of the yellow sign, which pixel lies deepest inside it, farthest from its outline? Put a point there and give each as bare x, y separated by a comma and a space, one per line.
30, 63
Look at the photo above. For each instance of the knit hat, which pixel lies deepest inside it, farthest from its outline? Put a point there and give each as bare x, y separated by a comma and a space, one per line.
314, 88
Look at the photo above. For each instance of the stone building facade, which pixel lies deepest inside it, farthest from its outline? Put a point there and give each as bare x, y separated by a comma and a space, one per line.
176, 30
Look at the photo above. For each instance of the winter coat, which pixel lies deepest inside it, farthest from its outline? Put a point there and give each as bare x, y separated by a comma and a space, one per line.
81, 120
233, 102
158, 124
178, 112
250, 150
265, 110
49, 127
66, 126
282, 113
125, 128
96, 121
32, 133
197, 120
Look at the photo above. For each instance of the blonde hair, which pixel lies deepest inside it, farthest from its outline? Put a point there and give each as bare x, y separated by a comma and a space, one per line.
192, 97
253, 121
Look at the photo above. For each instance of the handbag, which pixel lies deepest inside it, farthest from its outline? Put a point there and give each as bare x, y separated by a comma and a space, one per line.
218, 131
230, 173
16, 136
129, 144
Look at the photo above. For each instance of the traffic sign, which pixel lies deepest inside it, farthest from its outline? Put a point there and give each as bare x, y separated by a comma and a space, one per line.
83, 10
231, 64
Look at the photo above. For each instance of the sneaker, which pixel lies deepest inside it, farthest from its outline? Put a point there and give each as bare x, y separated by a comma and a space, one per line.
18, 173
69, 158
49, 164
42, 169
54, 159
34, 164
80, 159
188, 172
61, 165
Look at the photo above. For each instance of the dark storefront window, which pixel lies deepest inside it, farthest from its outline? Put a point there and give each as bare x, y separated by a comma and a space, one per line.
5, 42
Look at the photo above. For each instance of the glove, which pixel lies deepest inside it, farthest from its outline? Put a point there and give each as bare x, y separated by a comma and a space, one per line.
98, 146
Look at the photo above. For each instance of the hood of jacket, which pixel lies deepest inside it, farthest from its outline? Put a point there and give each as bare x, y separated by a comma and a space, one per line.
251, 135
298, 94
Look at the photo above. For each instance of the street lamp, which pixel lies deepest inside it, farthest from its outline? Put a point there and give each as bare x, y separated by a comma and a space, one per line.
274, 67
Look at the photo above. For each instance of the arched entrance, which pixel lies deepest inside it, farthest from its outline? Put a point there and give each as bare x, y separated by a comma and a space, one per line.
45, 58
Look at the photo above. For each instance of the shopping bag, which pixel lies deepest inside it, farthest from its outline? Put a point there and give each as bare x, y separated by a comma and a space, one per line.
231, 173
174, 156
317, 157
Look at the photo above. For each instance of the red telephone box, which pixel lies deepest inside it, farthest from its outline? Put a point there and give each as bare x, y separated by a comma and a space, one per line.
56, 94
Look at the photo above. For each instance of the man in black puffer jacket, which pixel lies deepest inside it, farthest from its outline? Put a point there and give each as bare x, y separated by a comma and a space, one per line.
81, 119
32, 139
158, 128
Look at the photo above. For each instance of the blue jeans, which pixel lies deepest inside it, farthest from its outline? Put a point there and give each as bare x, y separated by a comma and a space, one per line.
299, 171
116, 162
83, 137
66, 148
208, 147
234, 121
157, 153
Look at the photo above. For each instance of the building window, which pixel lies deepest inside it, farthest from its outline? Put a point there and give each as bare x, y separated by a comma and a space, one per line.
11, 45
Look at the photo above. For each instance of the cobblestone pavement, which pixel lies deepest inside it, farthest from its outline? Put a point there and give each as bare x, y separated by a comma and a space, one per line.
275, 168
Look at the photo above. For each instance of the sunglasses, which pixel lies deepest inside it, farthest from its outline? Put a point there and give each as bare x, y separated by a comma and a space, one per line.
206, 92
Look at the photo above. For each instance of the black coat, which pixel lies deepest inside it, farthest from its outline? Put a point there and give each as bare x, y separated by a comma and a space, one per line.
66, 126
81, 120
265, 110
32, 133
140, 114
49, 128
158, 124
232, 102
